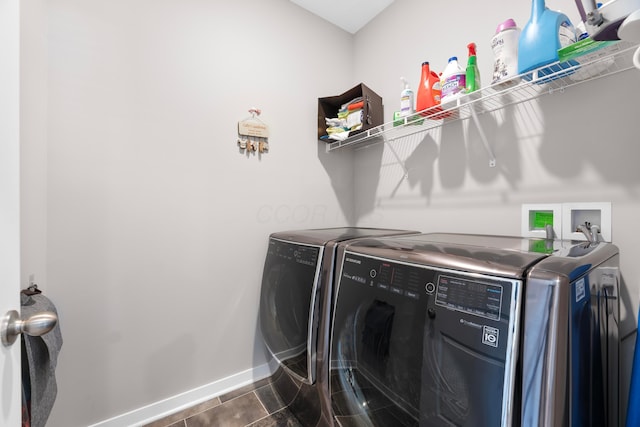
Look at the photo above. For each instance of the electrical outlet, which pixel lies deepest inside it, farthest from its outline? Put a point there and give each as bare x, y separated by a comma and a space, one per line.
575, 215
535, 218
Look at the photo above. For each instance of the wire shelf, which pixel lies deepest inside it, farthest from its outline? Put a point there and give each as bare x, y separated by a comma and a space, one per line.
551, 78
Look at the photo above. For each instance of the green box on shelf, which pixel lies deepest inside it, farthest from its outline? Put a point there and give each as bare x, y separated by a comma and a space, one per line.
581, 51
413, 119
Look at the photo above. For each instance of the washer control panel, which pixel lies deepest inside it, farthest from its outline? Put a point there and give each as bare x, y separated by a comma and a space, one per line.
470, 296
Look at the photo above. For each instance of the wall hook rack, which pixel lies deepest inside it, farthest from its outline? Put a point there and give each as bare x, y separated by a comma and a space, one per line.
253, 133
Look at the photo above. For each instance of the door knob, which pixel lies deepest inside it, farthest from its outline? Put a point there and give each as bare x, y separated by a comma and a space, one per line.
39, 324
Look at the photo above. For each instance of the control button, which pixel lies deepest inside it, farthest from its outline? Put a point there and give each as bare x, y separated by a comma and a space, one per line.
373, 273
430, 288
412, 295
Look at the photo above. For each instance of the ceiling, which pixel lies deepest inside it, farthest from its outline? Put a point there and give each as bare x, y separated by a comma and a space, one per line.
350, 15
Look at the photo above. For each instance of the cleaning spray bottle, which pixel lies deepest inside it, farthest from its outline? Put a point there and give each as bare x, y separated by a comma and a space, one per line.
545, 33
428, 92
406, 100
472, 73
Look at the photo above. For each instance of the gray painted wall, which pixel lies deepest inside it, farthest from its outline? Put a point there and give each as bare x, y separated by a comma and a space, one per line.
142, 220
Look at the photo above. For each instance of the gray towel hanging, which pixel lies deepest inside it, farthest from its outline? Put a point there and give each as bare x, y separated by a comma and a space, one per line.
41, 355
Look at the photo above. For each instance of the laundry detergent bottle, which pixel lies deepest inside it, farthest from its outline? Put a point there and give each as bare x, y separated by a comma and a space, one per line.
505, 51
542, 36
429, 91
453, 81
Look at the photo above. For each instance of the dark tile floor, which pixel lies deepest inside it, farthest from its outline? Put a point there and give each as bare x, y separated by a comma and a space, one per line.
256, 405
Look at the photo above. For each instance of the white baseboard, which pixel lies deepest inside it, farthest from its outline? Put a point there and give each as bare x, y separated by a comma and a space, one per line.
166, 407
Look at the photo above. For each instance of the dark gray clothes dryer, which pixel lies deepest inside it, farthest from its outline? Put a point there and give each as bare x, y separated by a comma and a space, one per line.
450, 330
298, 271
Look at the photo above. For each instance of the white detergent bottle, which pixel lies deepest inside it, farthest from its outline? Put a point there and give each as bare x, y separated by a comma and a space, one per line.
453, 81
407, 101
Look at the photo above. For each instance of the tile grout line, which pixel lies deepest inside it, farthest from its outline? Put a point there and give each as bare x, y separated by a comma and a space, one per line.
261, 404
266, 416
221, 403
263, 407
257, 398
204, 410
194, 413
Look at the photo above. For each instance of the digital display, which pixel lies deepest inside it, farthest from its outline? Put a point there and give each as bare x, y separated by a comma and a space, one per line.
469, 296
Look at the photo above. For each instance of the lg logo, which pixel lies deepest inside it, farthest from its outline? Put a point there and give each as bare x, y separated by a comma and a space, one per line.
490, 336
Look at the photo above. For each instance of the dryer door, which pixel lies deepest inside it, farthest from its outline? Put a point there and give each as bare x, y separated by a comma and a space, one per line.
421, 346
288, 296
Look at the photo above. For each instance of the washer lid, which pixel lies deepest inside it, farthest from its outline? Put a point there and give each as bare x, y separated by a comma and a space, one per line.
497, 255
322, 236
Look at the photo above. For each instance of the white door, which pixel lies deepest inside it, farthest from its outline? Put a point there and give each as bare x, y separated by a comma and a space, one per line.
9, 204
